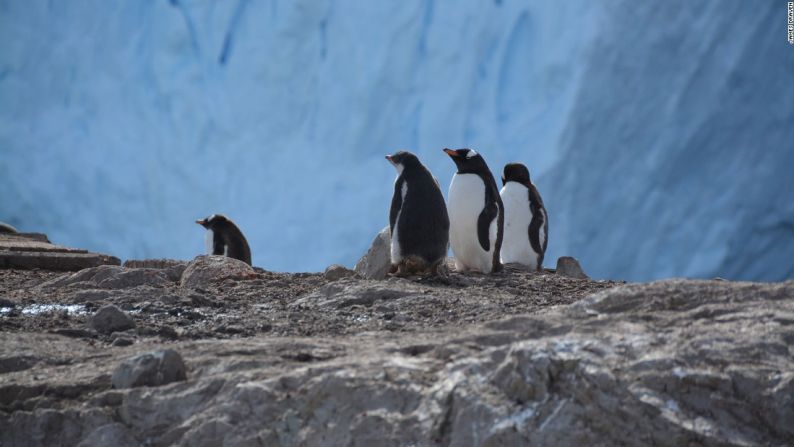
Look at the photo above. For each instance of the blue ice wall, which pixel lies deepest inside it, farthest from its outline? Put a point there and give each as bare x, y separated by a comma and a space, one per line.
660, 133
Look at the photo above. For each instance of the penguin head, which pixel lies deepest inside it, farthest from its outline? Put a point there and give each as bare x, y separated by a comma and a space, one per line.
212, 221
467, 160
402, 160
515, 172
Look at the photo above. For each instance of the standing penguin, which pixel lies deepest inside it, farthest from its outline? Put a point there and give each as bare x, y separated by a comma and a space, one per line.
418, 218
476, 214
225, 239
526, 220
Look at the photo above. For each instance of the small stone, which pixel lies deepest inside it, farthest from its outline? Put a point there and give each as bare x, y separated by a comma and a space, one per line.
74, 332
376, 262
122, 341
109, 319
336, 271
153, 368
569, 266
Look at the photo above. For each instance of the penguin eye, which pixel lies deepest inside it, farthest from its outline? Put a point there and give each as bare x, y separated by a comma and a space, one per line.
471, 154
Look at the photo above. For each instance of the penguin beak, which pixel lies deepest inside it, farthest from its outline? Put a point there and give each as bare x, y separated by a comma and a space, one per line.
388, 157
451, 153
201, 221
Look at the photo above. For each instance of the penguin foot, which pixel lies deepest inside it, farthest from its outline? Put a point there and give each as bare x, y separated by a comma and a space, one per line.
399, 271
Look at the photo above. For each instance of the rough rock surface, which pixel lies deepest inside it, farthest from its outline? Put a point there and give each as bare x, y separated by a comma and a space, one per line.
154, 368
570, 267
109, 319
516, 358
207, 269
35, 251
376, 261
336, 271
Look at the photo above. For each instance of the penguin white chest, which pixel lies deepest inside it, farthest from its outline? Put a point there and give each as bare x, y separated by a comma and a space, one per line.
466, 202
516, 246
209, 241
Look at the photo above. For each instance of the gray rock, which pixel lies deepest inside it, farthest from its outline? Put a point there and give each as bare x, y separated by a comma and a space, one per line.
150, 369
171, 267
122, 341
114, 434
336, 271
347, 292
205, 270
6, 228
89, 295
669, 363
110, 277
569, 266
376, 262
109, 319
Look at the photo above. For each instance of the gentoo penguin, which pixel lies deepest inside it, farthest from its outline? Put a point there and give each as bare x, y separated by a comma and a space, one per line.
418, 218
475, 213
526, 220
224, 238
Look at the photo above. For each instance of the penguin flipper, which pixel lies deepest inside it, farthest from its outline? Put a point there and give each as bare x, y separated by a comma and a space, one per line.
535, 228
487, 215
218, 247
396, 204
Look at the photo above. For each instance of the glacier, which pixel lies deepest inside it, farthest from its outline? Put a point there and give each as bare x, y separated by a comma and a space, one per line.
661, 134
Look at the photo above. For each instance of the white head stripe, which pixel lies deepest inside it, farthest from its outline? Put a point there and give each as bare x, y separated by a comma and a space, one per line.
471, 154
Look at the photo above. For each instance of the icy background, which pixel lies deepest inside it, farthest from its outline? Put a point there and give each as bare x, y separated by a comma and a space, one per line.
661, 134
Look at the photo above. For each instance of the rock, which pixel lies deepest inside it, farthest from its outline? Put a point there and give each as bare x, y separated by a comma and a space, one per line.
676, 362
34, 251
346, 293
5, 302
336, 271
109, 319
17, 363
205, 270
75, 332
376, 262
114, 434
150, 369
110, 277
569, 266
89, 295
6, 228
122, 341
171, 267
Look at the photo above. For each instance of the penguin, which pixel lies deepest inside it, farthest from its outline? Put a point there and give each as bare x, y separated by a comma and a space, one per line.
476, 214
224, 238
418, 218
526, 220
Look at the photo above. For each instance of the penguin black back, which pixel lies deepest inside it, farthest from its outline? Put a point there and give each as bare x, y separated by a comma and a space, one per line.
227, 239
418, 217
470, 162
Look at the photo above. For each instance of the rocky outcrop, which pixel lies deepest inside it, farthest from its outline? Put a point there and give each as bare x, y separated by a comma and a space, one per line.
668, 363
35, 251
150, 369
205, 270
376, 261
109, 277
